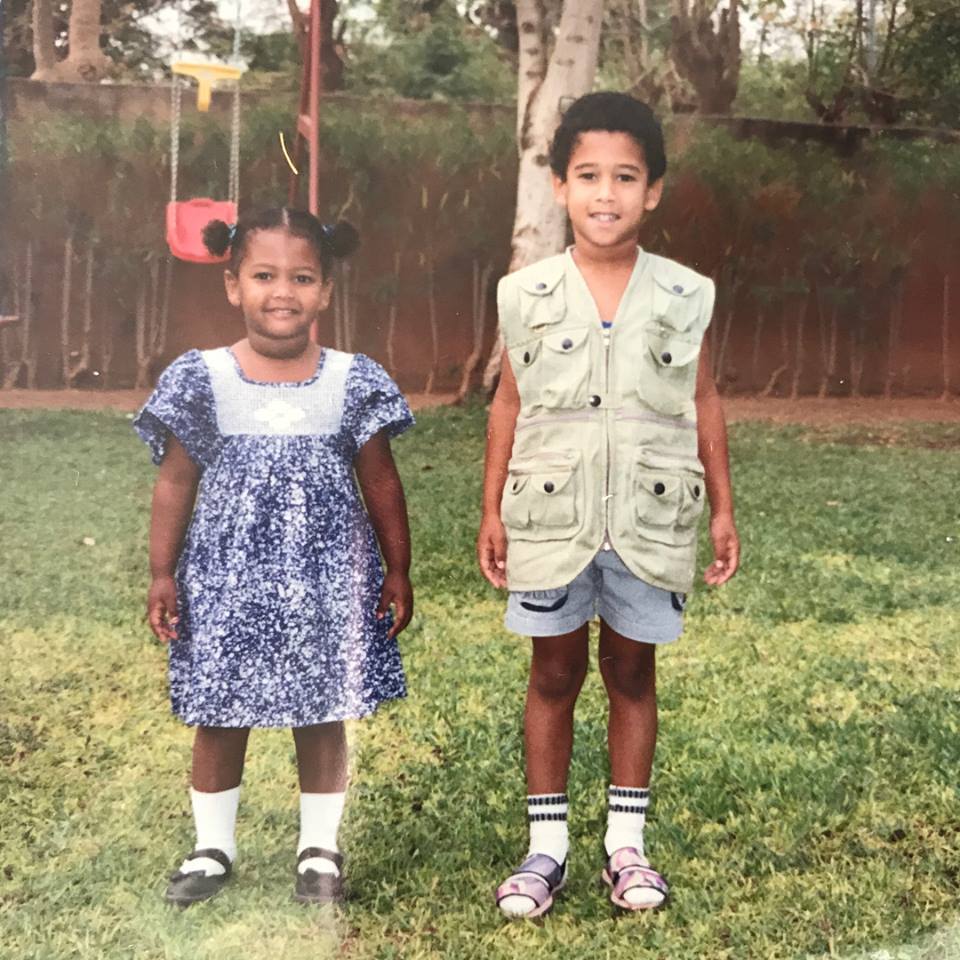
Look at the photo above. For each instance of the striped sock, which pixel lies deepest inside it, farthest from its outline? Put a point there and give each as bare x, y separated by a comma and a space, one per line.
547, 816
626, 816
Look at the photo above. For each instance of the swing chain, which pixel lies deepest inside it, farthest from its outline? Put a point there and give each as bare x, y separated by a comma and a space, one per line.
175, 96
234, 185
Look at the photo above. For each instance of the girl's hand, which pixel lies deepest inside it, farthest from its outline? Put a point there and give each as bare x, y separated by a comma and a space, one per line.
397, 593
492, 550
726, 549
162, 609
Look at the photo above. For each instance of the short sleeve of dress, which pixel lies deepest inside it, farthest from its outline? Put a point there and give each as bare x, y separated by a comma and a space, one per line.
373, 402
182, 404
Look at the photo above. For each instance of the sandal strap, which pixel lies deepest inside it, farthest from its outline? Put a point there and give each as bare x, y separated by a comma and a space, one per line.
212, 853
308, 853
629, 870
537, 878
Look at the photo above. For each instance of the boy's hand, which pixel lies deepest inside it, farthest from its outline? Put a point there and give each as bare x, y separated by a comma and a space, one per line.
726, 550
162, 609
397, 592
492, 550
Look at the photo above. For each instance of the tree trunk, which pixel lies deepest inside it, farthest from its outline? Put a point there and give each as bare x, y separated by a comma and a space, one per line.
434, 328
543, 78
65, 299
755, 359
707, 56
85, 60
798, 349
856, 359
893, 340
392, 317
44, 55
481, 285
945, 337
785, 366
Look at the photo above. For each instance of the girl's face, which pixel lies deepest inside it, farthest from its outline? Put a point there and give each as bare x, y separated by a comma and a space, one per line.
279, 287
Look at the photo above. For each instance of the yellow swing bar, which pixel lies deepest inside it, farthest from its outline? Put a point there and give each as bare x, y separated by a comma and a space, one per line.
206, 74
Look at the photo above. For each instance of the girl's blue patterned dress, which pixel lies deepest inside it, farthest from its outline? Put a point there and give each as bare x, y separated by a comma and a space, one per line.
280, 576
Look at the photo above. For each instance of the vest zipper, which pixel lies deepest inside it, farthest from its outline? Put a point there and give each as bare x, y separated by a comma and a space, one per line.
607, 336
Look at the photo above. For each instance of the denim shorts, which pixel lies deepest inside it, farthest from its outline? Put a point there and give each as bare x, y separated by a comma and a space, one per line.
605, 587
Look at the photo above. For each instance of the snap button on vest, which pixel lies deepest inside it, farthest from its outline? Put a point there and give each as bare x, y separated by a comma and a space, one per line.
548, 486
666, 357
677, 288
526, 357
541, 286
658, 488
567, 344
595, 401
696, 491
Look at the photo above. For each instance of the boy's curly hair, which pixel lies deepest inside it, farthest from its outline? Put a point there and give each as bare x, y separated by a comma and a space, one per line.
615, 113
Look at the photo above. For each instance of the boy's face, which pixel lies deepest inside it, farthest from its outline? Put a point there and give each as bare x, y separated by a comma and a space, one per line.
606, 191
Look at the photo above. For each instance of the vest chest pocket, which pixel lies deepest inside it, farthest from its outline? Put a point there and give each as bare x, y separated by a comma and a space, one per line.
542, 301
524, 361
565, 368
676, 303
668, 375
667, 506
543, 498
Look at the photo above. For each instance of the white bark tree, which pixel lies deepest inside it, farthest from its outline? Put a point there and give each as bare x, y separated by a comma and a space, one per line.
85, 60
552, 65
44, 57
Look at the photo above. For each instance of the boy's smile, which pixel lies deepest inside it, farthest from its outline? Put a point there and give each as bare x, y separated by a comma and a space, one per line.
606, 193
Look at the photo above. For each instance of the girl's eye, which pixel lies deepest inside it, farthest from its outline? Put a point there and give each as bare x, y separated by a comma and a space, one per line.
304, 278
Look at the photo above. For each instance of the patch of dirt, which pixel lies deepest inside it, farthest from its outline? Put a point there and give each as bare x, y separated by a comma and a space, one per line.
130, 401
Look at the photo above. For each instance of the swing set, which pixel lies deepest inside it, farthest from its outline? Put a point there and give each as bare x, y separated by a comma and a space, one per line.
185, 219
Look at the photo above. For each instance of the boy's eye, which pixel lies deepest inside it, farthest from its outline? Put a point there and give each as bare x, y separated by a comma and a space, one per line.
304, 278
262, 275
588, 176
627, 177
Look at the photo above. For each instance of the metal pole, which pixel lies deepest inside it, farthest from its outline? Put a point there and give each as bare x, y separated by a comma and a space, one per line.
316, 38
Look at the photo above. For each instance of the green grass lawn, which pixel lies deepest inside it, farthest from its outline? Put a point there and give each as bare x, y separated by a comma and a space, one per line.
806, 785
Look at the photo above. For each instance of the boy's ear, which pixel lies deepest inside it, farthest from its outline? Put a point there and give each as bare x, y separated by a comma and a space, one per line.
654, 193
232, 286
559, 190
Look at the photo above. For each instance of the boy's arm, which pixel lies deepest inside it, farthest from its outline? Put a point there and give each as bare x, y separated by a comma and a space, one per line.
492, 539
173, 497
387, 507
712, 449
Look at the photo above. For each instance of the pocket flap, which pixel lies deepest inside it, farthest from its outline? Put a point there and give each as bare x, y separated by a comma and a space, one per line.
660, 486
677, 286
669, 350
543, 281
550, 481
566, 341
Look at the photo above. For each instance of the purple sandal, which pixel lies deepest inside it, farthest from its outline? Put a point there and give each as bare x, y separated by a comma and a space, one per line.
539, 878
627, 869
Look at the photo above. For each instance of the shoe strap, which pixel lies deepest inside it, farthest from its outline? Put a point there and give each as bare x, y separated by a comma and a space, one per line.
308, 853
212, 853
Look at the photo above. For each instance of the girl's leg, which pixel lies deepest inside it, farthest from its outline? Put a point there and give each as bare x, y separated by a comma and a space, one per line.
218, 754
628, 669
557, 670
322, 768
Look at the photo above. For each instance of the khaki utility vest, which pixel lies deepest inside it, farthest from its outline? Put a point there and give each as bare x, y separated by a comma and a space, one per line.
605, 448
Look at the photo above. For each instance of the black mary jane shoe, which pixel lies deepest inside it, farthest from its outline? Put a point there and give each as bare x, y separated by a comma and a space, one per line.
315, 887
191, 887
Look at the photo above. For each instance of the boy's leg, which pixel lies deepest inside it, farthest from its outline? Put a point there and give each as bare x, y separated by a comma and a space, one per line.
322, 769
218, 755
557, 670
628, 668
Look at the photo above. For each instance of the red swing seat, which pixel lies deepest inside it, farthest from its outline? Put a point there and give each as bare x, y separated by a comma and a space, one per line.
185, 222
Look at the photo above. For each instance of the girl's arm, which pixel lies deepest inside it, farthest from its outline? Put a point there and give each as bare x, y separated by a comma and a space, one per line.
492, 539
173, 497
383, 495
712, 443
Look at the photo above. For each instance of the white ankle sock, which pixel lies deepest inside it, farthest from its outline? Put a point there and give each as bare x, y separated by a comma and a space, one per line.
215, 818
320, 815
547, 816
626, 818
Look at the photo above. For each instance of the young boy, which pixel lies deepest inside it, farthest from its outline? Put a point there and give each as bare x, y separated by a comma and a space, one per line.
605, 435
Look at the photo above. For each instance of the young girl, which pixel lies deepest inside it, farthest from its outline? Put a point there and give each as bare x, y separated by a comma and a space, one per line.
266, 574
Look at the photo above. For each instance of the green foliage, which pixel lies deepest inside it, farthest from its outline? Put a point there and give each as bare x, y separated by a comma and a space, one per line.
807, 700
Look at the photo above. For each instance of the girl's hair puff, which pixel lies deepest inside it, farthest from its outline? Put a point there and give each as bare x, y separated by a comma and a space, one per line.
329, 241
